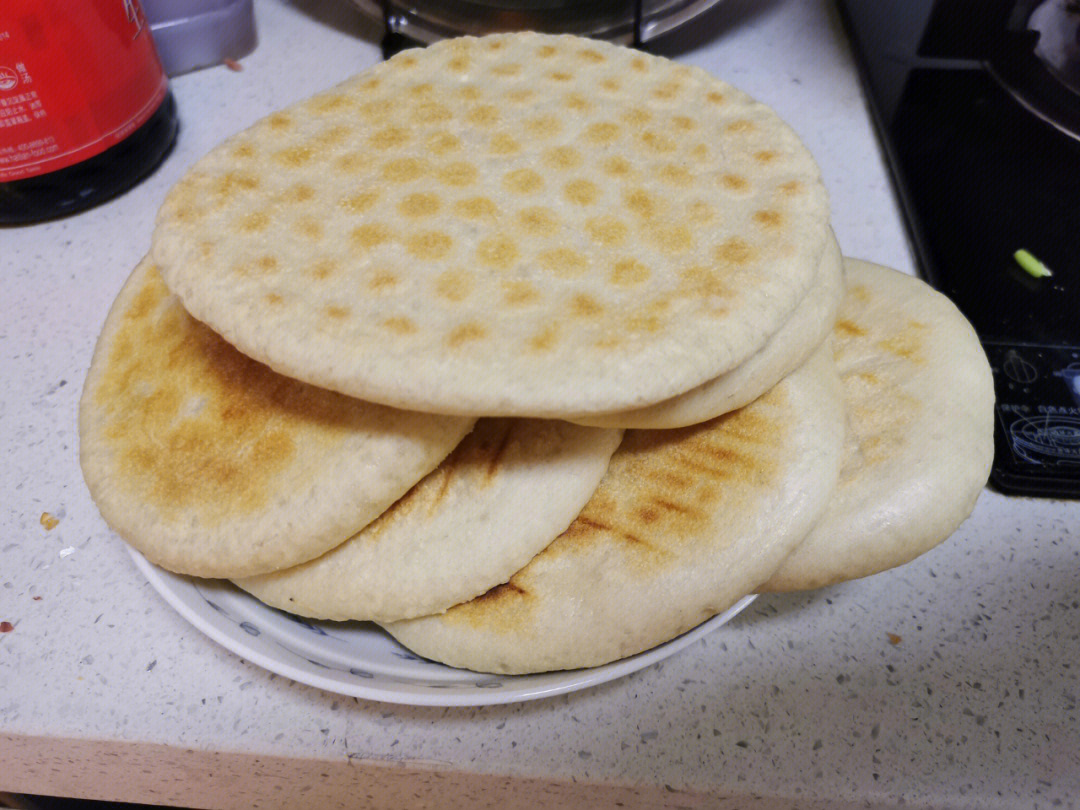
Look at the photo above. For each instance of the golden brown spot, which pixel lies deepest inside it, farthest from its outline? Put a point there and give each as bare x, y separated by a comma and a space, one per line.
538, 221
741, 126
399, 325
506, 69
407, 60
584, 306
404, 170
576, 102
544, 126
503, 144
666, 91
335, 312
382, 280
562, 158
495, 45
607, 230
420, 204
329, 103
359, 203
457, 174
617, 167
442, 143
701, 211
671, 239
243, 151
545, 339
582, 192
253, 223
429, 245
389, 138
520, 293
602, 132
294, 156
299, 193
279, 121
699, 152
308, 228
766, 156
644, 322
560, 76
592, 56
704, 282
735, 182
523, 181
639, 64
431, 112
906, 343
273, 299
683, 123
484, 115
846, 328
791, 188
354, 162
453, 285
371, 235
476, 208
642, 203
563, 262
497, 252
421, 89
470, 93
323, 269
675, 175
466, 333
546, 51
628, 272
332, 136
714, 97
520, 95
459, 64
768, 218
48, 521
735, 251
231, 182
637, 117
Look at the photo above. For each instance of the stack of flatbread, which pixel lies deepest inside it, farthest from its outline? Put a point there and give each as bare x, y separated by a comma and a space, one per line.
538, 351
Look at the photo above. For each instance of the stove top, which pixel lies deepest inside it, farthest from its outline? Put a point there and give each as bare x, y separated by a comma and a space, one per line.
977, 104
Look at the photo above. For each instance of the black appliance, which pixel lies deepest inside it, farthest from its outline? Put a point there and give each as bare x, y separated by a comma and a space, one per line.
977, 103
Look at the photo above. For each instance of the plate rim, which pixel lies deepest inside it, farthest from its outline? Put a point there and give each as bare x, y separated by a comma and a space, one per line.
562, 682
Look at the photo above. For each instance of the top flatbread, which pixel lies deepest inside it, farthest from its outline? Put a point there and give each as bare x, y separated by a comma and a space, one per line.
212, 465
519, 224
920, 402
683, 524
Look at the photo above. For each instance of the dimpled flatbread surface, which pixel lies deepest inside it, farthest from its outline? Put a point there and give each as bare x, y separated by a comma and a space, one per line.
519, 224
506, 491
684, 523
785, 351
210, 464
919, 396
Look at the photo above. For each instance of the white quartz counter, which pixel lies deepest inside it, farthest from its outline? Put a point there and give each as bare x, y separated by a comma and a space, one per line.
951, 682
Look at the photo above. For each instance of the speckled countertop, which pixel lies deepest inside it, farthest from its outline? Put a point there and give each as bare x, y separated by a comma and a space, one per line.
951, 682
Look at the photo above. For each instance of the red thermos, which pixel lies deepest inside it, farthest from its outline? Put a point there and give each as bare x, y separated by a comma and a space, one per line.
85, 107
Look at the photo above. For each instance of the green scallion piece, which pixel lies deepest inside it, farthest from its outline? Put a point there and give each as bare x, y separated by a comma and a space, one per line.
1031, 265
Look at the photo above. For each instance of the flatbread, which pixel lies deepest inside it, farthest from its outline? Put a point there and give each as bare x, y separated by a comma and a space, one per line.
212, 465
920, 402
519, 224
785, 351
506, 491
684, 523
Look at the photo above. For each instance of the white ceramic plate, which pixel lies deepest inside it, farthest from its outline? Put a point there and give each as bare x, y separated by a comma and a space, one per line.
359, 659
